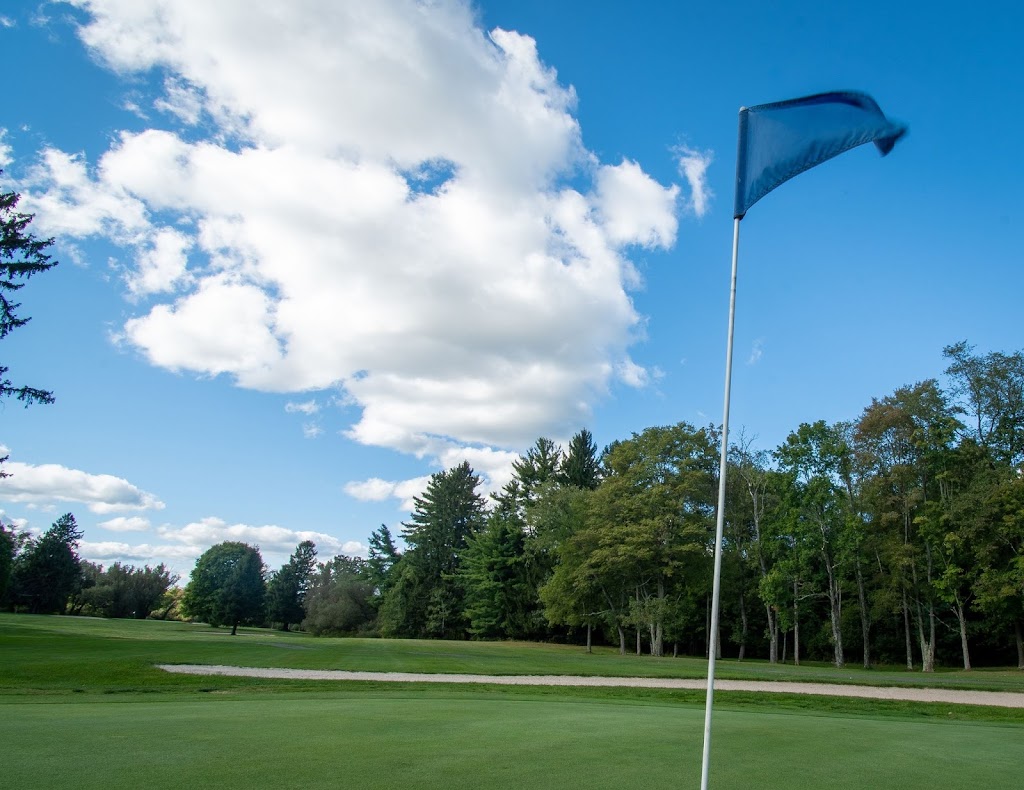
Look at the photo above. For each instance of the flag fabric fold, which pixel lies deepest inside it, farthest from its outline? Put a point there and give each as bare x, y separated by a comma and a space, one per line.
783, 139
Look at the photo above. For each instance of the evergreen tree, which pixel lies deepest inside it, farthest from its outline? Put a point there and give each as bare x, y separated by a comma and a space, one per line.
382, 558
581, 467
7, 547
286, 591
427, 598
46, 573
501, 596
21, 256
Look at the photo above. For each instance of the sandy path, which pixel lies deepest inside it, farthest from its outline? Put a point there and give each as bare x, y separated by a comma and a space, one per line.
1001, 699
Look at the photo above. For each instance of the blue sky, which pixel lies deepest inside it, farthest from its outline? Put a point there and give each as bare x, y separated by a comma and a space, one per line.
313, 253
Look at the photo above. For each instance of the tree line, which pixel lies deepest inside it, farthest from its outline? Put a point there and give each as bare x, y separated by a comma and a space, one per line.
897, 537
45, 575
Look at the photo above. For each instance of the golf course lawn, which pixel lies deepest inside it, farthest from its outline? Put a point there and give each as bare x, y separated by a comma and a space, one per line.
82, 706
399, 739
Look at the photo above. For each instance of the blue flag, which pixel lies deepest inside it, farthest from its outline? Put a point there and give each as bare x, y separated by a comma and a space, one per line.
783, 139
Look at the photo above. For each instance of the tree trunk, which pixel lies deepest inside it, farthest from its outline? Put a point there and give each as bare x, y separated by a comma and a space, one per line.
835, 614
589, 650
1020, 644
961, 618
785, 640
743, 626
675, 650
234, 628
622, 640
927, 644
796, 625
865, 616
658, 632
773, 635
927, 647
906, 632
638, 650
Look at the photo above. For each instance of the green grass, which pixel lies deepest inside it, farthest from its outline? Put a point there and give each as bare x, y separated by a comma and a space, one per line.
116, 653
403, 739
83, 706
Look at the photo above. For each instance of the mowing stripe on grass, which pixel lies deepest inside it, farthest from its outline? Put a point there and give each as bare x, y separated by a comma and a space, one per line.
956, 697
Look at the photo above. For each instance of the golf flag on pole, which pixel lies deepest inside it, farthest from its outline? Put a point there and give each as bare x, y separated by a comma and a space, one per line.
783, 139
779, 141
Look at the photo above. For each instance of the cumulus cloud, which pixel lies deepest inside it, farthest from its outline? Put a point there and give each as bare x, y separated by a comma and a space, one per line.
416, 237
45, 484
126, 524
693, 166
633, 374
494, 467
376, 490
634, 207
161, 263
179, 547
182, 100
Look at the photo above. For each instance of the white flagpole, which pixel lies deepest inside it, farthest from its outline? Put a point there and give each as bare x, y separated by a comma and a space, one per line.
716, 587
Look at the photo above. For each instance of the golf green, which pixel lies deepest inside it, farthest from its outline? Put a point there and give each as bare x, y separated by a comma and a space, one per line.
403, 739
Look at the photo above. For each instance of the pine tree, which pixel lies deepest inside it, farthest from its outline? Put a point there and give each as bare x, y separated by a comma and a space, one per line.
286, 591
21, 256
428, 588
581, 467
47, 572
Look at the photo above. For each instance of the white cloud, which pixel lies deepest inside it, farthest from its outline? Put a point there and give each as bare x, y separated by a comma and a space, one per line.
693, 166
162, 263
756, 352
355, 548
633, 374
6, 21
377, 490
17, 522
108, 551
494, 467
634, 207
372, 490
182, 100
126, 524
410, 235
276, 543
5, 150
309, 407
311, 430
179, 548
46, 484
68, 203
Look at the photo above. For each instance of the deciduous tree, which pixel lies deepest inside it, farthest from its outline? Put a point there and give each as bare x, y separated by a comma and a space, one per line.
227, 586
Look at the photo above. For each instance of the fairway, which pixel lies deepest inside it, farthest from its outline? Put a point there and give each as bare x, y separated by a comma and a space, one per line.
475, 741
81, 705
